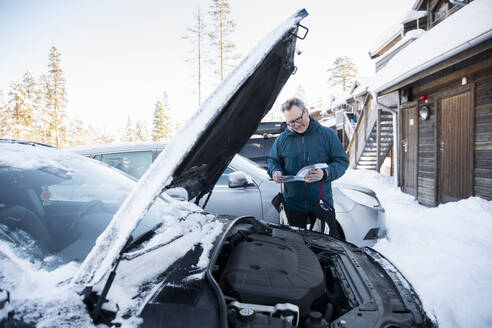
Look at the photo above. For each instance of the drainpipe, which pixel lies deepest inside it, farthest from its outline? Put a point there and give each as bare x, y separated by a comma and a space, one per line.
396, 132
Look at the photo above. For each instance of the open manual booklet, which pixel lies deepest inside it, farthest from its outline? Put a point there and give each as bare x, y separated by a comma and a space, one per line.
300, 176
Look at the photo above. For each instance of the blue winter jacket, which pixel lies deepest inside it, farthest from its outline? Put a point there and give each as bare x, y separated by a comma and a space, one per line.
292, 151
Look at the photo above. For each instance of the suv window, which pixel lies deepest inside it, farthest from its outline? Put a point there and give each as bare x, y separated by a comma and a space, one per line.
133, 163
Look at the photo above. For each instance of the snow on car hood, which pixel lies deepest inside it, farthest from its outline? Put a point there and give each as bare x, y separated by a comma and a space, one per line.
200, 152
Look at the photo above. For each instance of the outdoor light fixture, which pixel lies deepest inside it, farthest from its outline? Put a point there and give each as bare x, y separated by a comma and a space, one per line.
424, 112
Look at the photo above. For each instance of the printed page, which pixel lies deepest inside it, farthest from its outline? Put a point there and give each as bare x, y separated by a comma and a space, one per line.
302, 172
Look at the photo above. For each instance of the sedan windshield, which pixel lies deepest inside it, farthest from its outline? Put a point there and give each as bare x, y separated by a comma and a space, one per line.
60, 208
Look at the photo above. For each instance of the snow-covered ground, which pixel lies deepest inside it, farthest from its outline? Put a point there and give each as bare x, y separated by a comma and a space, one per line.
445, 252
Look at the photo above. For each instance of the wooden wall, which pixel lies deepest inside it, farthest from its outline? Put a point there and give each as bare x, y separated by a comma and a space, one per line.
426, 176
479, 83
482, 172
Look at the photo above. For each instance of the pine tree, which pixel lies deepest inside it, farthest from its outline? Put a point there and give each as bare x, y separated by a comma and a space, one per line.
77, 133
301, 94
55, 96
197, 56
3, 116
342, 73
42, 115
275, 114
32, 104
129, 132
141, 131
19, 116
221, 34
101, 136
162, 125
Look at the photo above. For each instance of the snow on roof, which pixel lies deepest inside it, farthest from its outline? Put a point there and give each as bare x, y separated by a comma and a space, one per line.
383, 39
409, 36
338, 98
413, 15
364, 82
466, 28
387, 36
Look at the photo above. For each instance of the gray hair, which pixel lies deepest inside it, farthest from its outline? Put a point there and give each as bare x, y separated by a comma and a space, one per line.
287, 105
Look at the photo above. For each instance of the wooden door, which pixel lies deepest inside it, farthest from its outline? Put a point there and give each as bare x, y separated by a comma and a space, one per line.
455, 148
409, 150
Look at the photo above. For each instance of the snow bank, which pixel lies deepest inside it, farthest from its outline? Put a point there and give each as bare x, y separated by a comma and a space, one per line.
445, 252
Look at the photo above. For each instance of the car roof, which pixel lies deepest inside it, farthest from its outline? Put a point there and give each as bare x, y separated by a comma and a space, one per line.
119, 147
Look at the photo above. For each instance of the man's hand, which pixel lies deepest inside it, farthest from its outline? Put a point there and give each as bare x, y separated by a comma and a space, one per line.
277, 177
314, 175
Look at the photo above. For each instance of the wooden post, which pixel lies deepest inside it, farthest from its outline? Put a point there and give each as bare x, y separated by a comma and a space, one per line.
378, 141
365, 122
343, 131
355, 148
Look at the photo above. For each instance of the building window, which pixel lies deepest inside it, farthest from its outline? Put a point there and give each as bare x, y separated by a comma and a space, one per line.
440, 9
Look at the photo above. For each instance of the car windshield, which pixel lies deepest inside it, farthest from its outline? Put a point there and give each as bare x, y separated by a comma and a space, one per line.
60, 208
241, 163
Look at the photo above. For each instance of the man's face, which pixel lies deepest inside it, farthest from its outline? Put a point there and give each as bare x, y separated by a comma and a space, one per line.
297, 119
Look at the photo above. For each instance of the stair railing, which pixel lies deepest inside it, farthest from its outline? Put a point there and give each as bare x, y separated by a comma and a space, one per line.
365, 124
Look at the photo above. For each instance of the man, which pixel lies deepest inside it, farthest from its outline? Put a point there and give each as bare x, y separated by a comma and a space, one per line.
306, 142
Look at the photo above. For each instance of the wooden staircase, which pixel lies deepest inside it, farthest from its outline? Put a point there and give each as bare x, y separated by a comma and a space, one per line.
372, 140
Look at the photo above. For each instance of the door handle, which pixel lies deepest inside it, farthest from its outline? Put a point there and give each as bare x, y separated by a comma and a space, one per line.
442, 146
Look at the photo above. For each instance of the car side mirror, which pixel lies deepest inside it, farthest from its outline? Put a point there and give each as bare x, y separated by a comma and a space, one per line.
178, 193
239, 179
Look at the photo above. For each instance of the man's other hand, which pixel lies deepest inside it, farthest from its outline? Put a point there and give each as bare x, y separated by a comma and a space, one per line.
278, 177
314, 175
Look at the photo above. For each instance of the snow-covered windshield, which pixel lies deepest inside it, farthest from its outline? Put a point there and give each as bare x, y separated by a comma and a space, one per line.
58, 203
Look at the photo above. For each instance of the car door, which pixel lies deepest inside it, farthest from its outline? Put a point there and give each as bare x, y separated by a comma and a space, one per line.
234, 201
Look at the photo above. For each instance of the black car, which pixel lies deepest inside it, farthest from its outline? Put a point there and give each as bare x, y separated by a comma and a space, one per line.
127, 254
258, 146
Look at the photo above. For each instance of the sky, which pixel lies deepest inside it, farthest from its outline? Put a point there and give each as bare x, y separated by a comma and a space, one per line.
119, 57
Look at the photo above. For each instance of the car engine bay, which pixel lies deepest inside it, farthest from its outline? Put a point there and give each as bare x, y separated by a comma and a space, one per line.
279, 277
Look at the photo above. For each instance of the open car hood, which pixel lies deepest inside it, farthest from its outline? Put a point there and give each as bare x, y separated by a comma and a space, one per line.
201, 151
239, 111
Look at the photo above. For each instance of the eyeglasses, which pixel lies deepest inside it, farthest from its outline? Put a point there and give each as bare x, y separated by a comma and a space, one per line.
297, 120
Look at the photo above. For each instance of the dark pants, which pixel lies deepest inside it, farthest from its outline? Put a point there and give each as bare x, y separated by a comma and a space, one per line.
324, 212
300, 219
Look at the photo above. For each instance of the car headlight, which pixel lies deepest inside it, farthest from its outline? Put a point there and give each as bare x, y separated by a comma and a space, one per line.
360, 197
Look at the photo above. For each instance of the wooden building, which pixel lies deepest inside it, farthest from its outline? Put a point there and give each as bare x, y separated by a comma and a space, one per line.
443, 85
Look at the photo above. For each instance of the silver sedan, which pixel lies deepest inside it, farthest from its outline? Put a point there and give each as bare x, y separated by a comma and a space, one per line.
246, 189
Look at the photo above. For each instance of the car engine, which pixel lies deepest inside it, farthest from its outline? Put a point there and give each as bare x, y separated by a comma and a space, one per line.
274, 279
